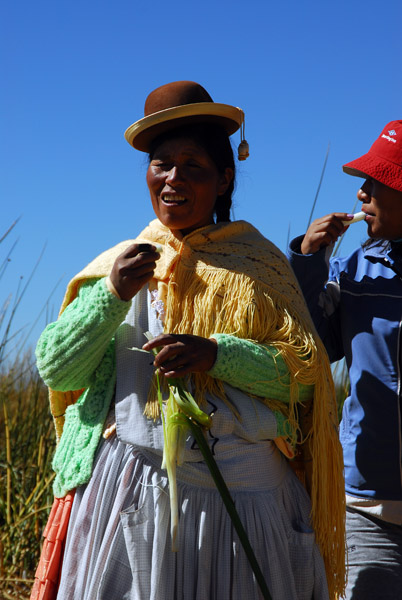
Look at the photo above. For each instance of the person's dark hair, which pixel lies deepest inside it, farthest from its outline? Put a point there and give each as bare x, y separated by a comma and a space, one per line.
215, 141
373, 242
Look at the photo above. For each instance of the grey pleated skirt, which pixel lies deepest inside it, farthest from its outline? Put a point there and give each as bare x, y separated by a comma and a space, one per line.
119, 548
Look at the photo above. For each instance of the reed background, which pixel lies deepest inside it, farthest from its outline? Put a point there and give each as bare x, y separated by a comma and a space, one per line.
27, 444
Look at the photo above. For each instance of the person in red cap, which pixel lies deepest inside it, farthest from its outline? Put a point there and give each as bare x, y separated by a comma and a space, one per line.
356, 305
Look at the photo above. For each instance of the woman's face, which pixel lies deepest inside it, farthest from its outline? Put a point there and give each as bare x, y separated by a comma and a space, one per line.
184, 184
383, 207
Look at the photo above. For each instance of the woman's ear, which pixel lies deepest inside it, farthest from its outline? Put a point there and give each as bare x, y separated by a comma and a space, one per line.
225, 180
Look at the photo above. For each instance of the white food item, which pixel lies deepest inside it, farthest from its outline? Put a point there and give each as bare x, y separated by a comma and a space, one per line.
357, 217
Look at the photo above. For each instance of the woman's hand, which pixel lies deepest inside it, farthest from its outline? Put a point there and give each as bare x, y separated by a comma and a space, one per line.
180, 355
324, 231
133, 269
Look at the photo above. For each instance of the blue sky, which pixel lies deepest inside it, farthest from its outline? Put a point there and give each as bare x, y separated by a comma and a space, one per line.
75, 75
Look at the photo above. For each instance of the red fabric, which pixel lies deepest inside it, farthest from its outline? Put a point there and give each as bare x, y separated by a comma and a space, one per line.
383, 161
47, 574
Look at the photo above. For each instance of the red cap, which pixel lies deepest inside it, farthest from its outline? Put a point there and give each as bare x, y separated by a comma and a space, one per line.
383, 161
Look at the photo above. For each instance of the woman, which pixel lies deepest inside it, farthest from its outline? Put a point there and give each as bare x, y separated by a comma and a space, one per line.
225, 310
355, 303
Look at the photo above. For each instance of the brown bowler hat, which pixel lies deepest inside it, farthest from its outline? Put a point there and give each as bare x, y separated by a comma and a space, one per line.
176, 104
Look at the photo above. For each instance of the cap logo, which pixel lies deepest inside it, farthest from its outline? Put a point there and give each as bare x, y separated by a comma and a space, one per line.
387, 137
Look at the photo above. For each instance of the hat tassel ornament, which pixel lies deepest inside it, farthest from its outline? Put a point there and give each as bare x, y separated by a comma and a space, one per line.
243, 149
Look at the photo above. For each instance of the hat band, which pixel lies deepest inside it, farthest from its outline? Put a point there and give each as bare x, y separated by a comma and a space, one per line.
142, 132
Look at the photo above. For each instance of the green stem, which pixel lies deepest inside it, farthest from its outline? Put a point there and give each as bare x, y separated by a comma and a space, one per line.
230, 507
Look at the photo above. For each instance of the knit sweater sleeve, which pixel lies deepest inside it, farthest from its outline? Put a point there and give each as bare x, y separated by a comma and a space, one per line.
70, 349
254, 368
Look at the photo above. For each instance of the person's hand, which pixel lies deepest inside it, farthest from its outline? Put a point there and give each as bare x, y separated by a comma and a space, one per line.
324, 231
133, 269
180, 355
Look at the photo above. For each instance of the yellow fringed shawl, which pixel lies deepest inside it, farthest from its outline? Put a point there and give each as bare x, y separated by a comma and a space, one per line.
228, 278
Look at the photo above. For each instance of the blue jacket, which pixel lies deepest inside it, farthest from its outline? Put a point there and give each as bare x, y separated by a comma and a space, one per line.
356, 305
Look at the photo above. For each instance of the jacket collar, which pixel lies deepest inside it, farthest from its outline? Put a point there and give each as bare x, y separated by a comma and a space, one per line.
386, 252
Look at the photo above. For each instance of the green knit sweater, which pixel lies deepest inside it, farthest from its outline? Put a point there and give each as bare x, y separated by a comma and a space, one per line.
77, 351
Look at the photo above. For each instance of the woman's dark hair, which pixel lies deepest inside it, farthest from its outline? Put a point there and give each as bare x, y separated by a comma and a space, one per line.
215, 141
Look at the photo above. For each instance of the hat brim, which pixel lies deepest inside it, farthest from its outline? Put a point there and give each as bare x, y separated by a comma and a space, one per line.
375, 167
141, 133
